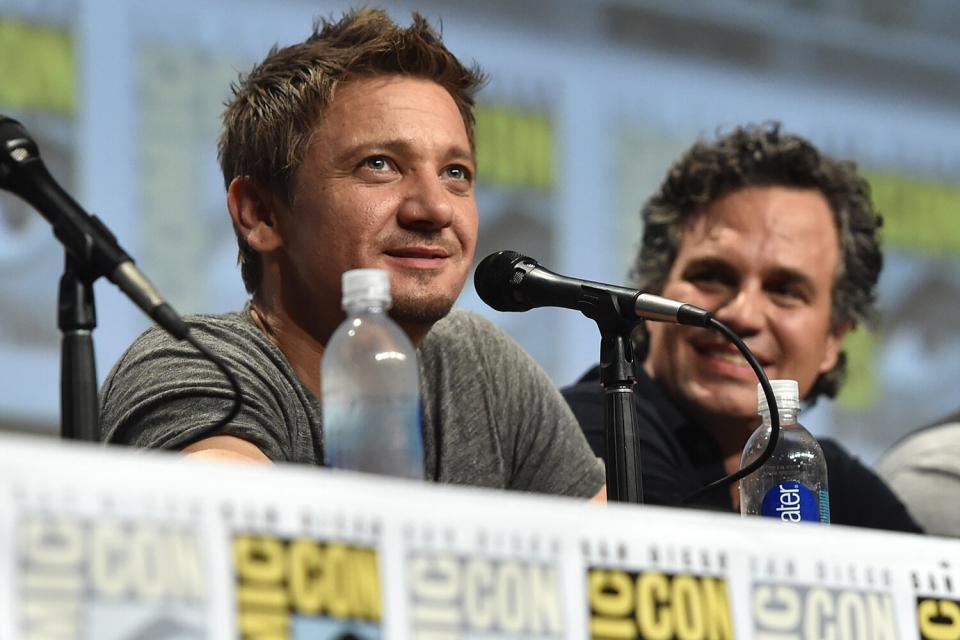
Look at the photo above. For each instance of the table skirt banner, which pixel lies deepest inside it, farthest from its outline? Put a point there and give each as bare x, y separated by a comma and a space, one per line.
112, 544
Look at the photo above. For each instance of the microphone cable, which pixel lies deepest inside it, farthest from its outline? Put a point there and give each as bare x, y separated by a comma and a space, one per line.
216, 427
93, 245
212, 430
729, 479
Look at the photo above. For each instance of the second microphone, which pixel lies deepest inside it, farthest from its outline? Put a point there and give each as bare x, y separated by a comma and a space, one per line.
509, 281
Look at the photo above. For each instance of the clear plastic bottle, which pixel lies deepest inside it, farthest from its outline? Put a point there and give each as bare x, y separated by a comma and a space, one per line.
792, 485
370, 385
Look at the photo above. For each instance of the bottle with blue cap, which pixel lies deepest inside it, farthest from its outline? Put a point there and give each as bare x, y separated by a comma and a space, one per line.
792, 485
371, 385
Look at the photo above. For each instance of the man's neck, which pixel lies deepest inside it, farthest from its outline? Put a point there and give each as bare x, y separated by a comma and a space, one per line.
303, 349
303, 341
415, 331
730, 435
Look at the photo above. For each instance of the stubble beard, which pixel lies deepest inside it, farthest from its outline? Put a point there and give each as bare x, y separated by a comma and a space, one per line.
424, 306
423, 312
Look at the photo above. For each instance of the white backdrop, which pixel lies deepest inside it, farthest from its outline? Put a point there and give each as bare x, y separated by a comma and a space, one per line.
137, 147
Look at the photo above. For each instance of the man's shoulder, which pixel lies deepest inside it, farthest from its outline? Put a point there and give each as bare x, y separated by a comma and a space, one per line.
232, 321
836, 452
842, 464
219, 332
460, 320
231, 336
939, 443
646, 391
587, 386
462, 329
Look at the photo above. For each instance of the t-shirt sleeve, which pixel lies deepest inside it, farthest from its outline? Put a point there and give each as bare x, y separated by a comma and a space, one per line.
165, 394
858, 497
544, 449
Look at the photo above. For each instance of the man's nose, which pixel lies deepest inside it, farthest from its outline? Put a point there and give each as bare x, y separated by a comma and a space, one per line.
427, 203
743, 311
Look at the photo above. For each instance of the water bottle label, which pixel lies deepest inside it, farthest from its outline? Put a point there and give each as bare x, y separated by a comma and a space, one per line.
791, 502
824, 506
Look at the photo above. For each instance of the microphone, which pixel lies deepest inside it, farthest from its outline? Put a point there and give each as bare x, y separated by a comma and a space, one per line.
84, 236
508, 281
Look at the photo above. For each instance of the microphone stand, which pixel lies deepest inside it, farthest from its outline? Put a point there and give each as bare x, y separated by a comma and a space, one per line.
91, 251
76, 318
624, 482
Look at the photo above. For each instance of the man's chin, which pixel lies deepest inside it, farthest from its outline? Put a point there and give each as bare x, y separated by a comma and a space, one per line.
733, 403
420, 311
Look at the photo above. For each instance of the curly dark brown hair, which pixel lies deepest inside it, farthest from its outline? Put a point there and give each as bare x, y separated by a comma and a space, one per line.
763, 155
275, 108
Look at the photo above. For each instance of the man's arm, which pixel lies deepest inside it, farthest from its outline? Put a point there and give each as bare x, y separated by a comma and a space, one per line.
164, 394
225, 448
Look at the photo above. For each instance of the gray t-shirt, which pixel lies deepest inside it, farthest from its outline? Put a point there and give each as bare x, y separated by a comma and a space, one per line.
491, 416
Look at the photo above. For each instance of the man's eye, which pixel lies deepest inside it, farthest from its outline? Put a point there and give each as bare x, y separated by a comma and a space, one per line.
458, 172
377, 163
708, 278
789, 293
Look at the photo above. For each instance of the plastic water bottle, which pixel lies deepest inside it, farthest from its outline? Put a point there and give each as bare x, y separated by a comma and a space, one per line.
370, 385
792, 485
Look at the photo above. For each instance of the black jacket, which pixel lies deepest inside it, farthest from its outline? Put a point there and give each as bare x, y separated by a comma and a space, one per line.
678, 457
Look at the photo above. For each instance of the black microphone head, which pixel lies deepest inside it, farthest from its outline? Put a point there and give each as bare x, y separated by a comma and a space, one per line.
495, 277
16, 148
9, 128
13, 134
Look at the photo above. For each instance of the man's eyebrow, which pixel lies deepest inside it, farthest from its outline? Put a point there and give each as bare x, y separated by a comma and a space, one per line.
400, 146
709, 263
791, 276
456, 152
723, 267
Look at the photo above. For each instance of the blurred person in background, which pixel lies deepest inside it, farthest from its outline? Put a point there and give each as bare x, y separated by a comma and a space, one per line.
353, 149
923, 469
782, 244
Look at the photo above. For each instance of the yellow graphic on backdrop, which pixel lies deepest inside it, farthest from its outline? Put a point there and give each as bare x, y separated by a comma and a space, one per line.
919, 214
277, 579
938, 619
37, 66
657, 606
515, 147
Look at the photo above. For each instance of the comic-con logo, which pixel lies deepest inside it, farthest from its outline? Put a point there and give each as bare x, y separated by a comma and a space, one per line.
305, 588
938, 619
457, 596
81, 579
653, 605
797, 611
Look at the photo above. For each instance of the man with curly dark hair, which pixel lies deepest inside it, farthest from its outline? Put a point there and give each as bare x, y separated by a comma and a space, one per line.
781, 243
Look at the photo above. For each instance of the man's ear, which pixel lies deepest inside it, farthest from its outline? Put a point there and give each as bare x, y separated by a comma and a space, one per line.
253, 211
834, 346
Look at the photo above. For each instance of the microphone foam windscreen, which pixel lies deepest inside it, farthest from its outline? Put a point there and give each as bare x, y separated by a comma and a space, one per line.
494, 279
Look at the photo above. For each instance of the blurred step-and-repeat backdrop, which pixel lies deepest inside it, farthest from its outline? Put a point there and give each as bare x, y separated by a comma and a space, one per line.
588, 103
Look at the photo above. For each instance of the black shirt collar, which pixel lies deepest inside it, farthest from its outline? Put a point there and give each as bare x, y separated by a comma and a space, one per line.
701, 457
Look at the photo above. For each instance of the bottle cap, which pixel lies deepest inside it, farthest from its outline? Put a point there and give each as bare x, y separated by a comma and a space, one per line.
787, 393
365, 285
